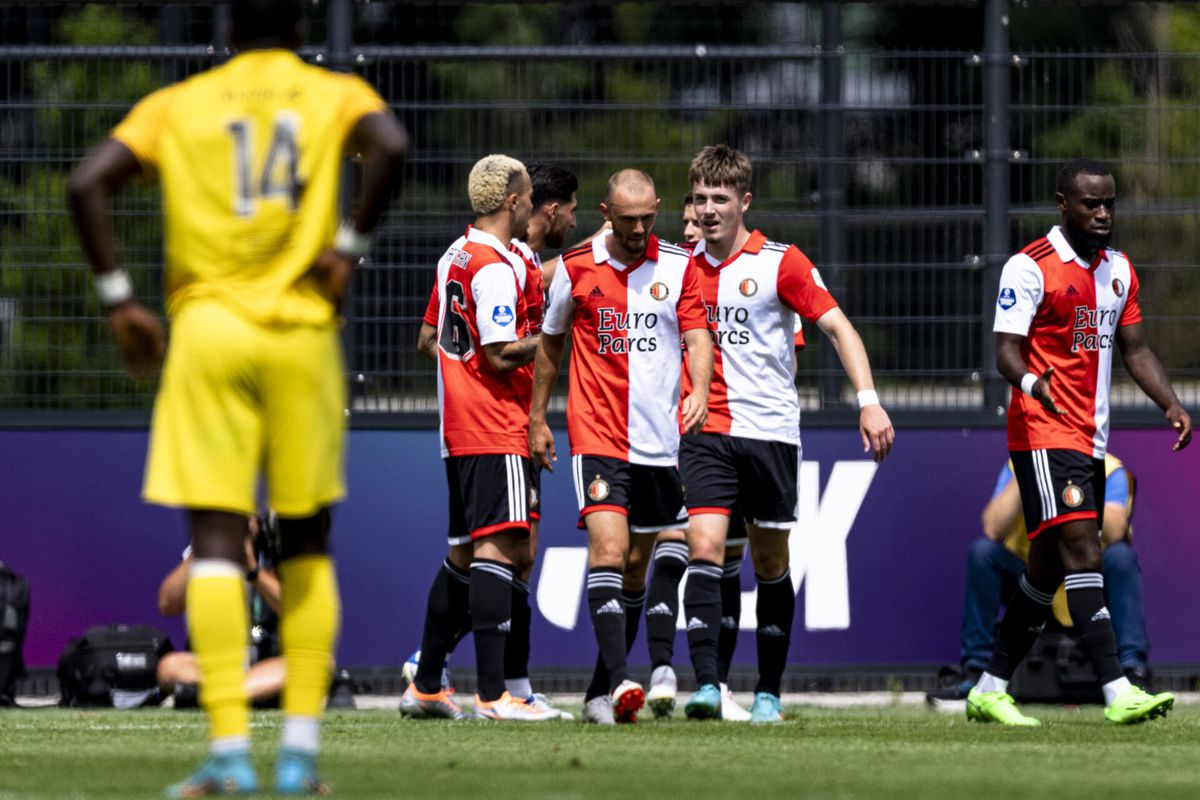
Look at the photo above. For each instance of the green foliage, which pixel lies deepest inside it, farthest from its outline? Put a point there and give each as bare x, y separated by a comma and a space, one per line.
60, 354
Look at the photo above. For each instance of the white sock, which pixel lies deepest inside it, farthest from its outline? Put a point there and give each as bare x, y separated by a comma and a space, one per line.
990, 683
301, 733
519, 688
1114, 689
229, 746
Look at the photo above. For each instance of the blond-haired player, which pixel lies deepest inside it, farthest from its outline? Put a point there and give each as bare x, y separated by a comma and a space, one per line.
249, 157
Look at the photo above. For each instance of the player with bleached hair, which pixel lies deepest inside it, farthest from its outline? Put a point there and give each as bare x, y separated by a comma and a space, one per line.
483, 342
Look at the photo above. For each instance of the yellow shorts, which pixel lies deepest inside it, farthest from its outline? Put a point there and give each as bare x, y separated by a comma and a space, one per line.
237, 399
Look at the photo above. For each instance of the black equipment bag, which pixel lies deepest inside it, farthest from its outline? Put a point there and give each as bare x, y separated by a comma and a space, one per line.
113, 665
1057, 670
14, 621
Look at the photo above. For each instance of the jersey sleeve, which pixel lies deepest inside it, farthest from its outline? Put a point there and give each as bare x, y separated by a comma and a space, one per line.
142, 129
1021, 292
800, 286
560, 305
1116, 487
690, 308
1132, 314
1002, 480
359, 101
798, 334
494, 289
431, 310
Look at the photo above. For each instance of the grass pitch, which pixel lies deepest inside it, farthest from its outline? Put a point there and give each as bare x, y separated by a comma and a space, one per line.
889, 752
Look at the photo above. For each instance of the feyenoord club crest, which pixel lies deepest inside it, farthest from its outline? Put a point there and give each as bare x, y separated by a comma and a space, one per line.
597, 489
1072, 495
533, 497
659, 290
748, 287
1118, 287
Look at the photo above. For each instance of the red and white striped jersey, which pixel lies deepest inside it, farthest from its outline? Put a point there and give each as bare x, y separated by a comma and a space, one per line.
753, 298
535, 298
479, 299
1068, 311
626, 321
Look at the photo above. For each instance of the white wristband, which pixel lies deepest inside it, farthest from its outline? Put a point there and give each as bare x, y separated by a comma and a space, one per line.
349, 241
868, 397
1027, 383
113, 287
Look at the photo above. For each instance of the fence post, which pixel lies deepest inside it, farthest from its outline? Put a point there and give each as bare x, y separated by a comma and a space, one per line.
996, 194
831, 184
220, 38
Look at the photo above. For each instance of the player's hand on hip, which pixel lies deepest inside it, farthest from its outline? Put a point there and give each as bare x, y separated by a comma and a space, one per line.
541, 445
693, 414
1181, 422
332, 269
140, 337
1041, 393
875, 426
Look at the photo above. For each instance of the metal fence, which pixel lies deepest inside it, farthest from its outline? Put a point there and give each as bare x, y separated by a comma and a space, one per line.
887, 168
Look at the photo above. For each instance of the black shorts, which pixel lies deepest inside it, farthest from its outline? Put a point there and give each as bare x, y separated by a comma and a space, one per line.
490, 494
652, 497
723, 472
1058, 486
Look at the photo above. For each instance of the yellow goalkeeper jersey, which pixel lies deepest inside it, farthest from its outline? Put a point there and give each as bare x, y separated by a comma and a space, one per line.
248, 156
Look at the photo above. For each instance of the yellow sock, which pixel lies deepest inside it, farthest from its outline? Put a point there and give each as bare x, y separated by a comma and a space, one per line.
308, 630
219, 629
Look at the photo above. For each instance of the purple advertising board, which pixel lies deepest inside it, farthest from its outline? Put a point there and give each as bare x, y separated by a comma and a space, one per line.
878, 555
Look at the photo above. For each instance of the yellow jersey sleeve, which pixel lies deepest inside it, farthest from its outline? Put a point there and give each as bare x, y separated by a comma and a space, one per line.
142, 129
360, 100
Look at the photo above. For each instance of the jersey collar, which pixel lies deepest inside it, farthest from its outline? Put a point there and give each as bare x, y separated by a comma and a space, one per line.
601, 255
753, 246
477, 236
1067, 253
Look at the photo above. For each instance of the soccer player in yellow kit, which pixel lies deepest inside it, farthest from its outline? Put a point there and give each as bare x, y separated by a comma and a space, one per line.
249, 157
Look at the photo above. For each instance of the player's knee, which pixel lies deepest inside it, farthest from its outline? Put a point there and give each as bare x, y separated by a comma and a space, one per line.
306, 536
769, 566
701, 548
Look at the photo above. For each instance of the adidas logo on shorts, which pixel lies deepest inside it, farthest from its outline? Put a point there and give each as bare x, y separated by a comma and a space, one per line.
695, 624
611, 607
660, 610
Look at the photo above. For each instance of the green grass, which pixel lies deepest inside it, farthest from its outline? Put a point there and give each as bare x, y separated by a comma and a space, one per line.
900, 752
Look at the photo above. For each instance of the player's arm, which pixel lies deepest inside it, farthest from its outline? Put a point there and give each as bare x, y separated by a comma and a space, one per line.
1116, 523
874, 424
427, 341
507, 356
1001, 513
546, 365
1147, 371
138, 333
172, 592
694, 408
1012, 368
381, 140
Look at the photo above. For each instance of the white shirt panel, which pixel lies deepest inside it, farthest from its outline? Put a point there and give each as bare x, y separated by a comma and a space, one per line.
559, 305
655, 365
1021, 292
494, 289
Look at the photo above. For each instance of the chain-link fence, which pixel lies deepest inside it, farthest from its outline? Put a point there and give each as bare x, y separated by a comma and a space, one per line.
873, 162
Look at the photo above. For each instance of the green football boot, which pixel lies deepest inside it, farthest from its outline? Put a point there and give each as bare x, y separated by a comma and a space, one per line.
996, 707
1136, 705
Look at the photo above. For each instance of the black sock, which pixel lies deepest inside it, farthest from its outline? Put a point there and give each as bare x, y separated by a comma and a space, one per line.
776, 609
516, 649
446, 616
662, 601
1085, 601
633, 602
1023, 621
491, 620
608, 621
731, 616
702, 607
